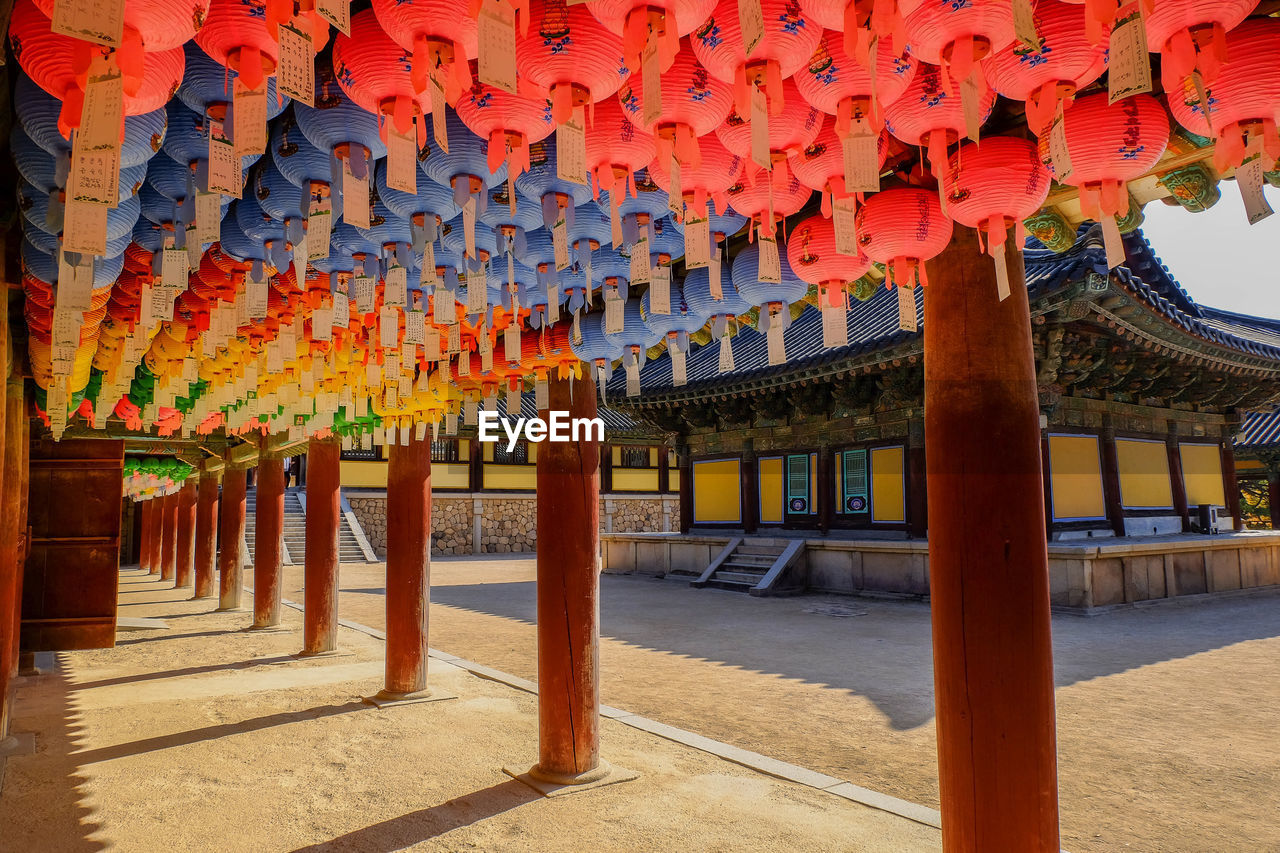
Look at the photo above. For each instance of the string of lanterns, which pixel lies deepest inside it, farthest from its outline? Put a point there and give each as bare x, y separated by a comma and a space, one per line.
276, 215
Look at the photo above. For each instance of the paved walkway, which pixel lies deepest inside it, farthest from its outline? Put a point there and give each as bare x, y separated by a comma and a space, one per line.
204, 736
1169, 737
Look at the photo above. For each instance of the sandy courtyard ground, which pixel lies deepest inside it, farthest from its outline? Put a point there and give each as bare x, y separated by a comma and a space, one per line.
205, 737
1168, 729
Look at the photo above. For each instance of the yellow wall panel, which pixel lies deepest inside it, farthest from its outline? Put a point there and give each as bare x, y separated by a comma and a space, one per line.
1202, 473
635, 479
1075, 477
514, 477
887, 490
1144, 474
365, 475
450, 475
717, 490
771, 490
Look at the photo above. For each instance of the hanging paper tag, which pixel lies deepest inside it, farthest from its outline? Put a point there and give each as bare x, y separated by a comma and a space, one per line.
511, 343
1002, 271
427, 275
613, 310
415, 328
341, 310
651, 84
1024, 24
615, 219
249, 118
560, 242
336, 12
553, 303
208, 217
1128, 64
697, 242
679, 373
843, 218
75, 284
861, 162
296, 69
319, 229
469, 226
906, 309
633, 379
969, 104
355, 197
1250, 178
751, 20
835, 329
454, 343
770, 262
571, 149
477, 299
224, 165
1059, 153
322, 324
173, 269
84, 227
389, 326
98, 21
496, 63
396, 284
777, 347
660, 290
713, 272
435, 86
402, 159
95, 160
364, 294
760, 127
726, 354
1113, 242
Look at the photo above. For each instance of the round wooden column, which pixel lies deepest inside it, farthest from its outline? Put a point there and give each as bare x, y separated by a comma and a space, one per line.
268, 541
568, 597
231, 519
408, 568
186, 545
169, 537
320, 575
11, 538
144, 534
156, 520
988, 559
206, 534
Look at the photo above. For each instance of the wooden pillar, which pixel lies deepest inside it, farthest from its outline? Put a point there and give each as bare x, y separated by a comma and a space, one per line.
606, 468
475, 468
1111, 482
684, 461
826, 477
1176, 482
268, 541
206, 533
320, 584
664, 470
408, 569
749, 496
144, 542
231, 516
168, 537
186, 544
1230, 485
23, 545
155, 523
568, 597
917, 492
988, 559
11, 536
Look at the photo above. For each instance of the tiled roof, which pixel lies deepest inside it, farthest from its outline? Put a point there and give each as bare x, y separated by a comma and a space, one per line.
1260, 429
873, 324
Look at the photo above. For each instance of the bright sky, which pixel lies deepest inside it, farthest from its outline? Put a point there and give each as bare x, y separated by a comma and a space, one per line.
1217, 257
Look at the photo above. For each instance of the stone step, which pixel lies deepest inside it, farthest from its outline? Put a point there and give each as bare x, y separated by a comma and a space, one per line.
734, 565
737, 578
762, 560
759, 550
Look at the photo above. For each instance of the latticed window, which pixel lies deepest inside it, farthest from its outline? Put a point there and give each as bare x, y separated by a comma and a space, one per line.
633, 456
519, 455
444, 450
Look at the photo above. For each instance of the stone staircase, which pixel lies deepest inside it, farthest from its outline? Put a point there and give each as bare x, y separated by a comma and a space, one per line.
353, 547
756, 565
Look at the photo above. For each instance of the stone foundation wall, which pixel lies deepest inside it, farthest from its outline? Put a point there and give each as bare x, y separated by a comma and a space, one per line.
508, 522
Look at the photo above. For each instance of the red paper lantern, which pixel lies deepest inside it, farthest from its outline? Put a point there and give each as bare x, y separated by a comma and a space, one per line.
859, 20
509, 122
820, 166
59, 65
712, 179
957, 36
1110, 145
437, 33
567, 52
693, 105
811, 252
841, 87
902, 228
930, 115
617, 148
236, 34
1066, 62
1244, 98
768, 202
152, 25
788, 41
791, 130
374, 71
667, 20
1191, 35
994, 186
